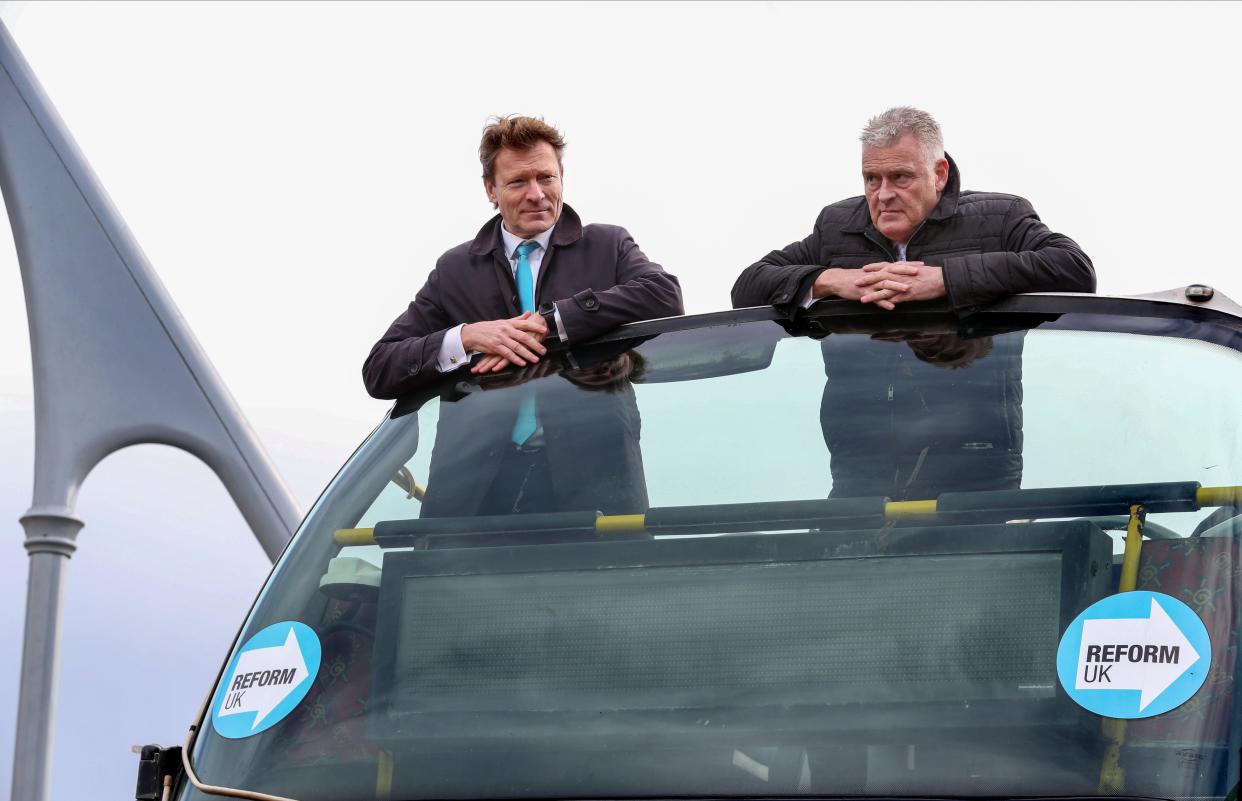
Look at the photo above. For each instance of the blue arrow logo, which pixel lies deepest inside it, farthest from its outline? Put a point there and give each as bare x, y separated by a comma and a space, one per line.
1134, 655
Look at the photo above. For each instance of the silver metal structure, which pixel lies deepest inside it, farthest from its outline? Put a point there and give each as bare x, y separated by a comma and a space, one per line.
114, 365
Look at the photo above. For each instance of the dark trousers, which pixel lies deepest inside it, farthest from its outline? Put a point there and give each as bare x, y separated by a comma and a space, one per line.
523, 485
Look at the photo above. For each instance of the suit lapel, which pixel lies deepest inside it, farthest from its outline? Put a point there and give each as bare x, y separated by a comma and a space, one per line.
568, 231
489, 241
541, 279
504, 279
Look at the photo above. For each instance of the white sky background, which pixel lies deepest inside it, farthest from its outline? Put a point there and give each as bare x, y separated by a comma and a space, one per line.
292, 171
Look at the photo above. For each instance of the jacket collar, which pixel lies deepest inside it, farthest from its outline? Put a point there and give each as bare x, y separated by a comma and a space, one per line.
945, 208
568, 230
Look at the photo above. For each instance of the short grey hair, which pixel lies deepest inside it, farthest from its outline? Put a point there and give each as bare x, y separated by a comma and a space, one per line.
883, 130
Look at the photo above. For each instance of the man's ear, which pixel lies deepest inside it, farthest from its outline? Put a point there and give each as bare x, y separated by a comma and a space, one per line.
491, 193
942, 174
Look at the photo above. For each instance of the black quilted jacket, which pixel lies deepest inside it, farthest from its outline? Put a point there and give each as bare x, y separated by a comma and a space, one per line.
900, 427
990, 246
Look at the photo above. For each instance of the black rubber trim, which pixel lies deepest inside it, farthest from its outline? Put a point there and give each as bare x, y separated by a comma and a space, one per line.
1109, 499
1058, 311
556, 525
836, 513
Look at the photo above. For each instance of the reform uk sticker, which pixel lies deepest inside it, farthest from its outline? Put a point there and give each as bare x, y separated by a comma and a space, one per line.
267, 678
1134, 655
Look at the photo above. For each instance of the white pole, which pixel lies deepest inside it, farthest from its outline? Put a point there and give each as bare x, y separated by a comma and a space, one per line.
50, 535
115, 364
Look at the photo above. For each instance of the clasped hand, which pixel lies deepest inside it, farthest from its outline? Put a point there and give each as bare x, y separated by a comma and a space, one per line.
517, 341
887, 283
884, 283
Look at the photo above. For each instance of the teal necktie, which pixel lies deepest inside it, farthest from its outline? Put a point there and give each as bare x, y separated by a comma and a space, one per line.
526, 422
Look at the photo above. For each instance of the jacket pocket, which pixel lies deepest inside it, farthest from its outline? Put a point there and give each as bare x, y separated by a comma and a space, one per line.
939, 255
851, 260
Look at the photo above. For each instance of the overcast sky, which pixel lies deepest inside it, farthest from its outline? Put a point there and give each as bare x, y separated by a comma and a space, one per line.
292, 171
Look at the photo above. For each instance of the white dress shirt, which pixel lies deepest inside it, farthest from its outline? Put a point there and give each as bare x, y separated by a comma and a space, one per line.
452, 351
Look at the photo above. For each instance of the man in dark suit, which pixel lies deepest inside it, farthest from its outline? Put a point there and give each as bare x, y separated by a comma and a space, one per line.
533, 271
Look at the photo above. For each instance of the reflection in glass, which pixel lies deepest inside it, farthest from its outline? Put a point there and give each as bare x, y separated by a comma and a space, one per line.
585, 452
706, 595
909, 415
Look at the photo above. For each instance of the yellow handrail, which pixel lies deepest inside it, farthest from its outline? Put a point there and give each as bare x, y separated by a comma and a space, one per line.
620, 524
900, 510
1112, 774
1218, 496
354, 536
893, 510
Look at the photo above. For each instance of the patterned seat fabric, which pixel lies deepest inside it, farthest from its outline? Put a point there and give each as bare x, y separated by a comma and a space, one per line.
1188, 746
330, 723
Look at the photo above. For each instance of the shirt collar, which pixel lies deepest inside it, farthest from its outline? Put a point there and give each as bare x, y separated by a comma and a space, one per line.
512, 242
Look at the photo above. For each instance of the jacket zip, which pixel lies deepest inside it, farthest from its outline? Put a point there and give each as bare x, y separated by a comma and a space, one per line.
880, 240
913, 236
886, 246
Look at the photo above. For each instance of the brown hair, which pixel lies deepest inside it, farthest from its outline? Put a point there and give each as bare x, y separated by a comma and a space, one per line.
516, 133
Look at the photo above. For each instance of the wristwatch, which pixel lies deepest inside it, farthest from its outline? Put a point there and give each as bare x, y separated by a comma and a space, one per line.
548, 312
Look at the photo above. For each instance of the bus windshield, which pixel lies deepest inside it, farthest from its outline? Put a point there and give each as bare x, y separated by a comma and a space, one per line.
741, 557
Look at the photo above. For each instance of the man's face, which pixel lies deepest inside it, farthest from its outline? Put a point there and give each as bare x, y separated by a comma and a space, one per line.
527, 189
902, 187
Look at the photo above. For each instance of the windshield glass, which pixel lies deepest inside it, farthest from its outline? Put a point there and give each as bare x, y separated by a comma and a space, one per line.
735, 561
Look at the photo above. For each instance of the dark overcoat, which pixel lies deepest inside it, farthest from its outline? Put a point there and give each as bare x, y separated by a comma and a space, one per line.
596, 275
599, 279
593, 446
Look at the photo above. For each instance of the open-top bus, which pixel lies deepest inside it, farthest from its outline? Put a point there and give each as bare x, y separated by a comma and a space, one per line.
840, 553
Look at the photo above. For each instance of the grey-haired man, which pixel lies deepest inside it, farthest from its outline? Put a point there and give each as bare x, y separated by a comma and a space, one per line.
902, 422
915, 235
